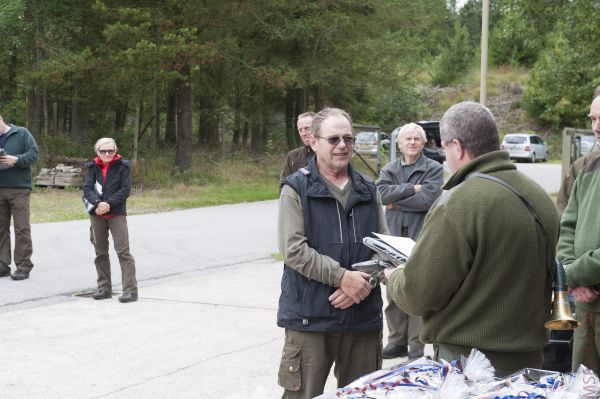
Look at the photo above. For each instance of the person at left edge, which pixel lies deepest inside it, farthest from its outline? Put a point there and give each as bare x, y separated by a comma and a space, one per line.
106, 187
15, 189
330, 312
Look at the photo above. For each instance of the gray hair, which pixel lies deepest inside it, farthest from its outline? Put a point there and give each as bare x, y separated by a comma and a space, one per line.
325, 113
473, 125
412, 128
104, 140
306, 115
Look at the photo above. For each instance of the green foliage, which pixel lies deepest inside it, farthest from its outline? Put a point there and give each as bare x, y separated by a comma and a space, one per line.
523, 28
561, 84
455, 59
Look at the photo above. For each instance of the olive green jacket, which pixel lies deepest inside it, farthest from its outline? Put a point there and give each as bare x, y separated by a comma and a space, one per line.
579, 243
478, 274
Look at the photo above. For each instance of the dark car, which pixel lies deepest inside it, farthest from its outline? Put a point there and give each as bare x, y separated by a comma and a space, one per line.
433, 147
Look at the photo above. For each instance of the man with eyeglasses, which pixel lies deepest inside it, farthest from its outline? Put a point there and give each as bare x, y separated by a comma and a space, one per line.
330, 313
298, 158
479, 273
18, 151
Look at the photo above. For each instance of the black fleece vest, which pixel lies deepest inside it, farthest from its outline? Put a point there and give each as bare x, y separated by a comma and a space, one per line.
336, 232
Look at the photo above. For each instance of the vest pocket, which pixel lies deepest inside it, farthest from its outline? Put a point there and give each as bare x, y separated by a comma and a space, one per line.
290, 372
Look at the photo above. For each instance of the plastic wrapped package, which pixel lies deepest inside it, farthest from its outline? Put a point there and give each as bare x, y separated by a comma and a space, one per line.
470, 378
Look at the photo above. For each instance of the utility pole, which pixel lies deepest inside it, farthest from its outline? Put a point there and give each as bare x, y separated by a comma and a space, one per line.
484, 51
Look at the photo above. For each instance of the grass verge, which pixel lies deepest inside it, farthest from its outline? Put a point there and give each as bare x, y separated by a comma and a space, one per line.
208, 182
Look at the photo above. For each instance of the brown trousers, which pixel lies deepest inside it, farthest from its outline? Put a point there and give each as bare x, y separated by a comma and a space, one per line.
308, 356
586, 340
404, 329
99, 230
15, 202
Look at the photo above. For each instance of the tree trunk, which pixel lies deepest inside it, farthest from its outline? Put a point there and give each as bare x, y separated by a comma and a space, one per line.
255, 130
183, 153
121, 116
156, 122
245, 134
55, 118
237, 124
11, 87
320, 97
46, 118
208, 123
136, 131
76, 117
290, 131
170, 121
264, 132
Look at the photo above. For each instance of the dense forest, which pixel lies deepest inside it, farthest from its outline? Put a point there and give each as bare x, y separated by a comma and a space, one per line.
233, 75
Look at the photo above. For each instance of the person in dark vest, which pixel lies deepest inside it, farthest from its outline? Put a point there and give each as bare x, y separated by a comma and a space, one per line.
19, 152
330, 313
298, 158
106, 188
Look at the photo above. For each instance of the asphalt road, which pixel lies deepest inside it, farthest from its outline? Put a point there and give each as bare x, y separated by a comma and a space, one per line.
165, 245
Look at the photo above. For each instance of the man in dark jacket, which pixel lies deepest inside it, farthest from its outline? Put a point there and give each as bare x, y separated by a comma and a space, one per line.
19, 153
298, 158
330, 312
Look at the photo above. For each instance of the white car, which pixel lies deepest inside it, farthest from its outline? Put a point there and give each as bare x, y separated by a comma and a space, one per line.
526, 147
587, 144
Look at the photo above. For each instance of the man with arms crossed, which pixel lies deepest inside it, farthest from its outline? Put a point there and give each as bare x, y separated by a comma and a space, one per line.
330, 313
479, 274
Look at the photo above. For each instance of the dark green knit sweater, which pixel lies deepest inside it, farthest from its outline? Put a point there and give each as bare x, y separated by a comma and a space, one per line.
478, 272
579, 244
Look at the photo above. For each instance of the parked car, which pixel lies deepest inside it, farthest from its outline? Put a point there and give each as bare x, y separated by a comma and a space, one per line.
526, 147
587, 144
366, 142
433, 147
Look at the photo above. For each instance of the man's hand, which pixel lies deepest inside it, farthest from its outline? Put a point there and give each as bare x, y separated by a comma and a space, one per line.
102, 208
584, 294
418, 188
8, 160
340, 300
355, 284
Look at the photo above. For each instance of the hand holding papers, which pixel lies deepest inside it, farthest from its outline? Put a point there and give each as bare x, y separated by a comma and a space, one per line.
393, 250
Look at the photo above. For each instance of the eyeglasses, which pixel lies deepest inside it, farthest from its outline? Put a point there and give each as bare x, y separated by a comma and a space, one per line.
106, 152
446, 144
335, 140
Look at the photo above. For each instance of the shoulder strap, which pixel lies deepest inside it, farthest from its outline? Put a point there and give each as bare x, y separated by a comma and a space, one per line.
549, 262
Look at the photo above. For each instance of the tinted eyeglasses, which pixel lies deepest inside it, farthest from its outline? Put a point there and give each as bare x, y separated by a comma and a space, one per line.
335, 140
106, 152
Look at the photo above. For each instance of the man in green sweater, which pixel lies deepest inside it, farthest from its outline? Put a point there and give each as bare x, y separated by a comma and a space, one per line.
19, 153
479, 273
579, 251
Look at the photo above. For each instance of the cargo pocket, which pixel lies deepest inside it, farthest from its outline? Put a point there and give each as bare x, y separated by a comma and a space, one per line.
290, 373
